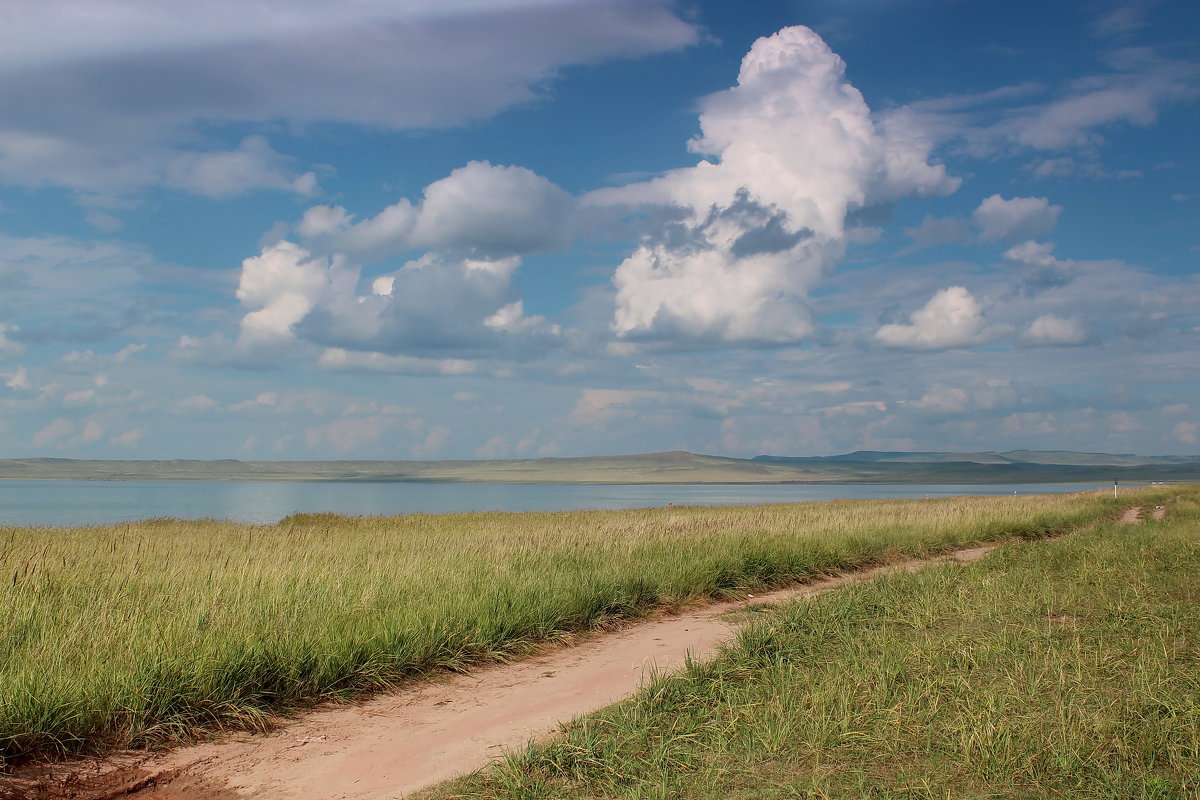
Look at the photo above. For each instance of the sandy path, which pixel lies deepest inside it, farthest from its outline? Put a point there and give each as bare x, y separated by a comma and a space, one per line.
398, 743
1133, 514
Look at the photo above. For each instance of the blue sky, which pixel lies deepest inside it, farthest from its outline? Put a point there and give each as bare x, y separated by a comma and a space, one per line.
520, 228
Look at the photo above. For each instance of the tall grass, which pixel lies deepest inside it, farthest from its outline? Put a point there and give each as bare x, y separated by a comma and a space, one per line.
140, 633
1066, 669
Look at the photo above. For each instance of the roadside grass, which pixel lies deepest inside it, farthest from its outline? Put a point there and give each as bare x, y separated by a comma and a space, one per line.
1062, 669
146, 633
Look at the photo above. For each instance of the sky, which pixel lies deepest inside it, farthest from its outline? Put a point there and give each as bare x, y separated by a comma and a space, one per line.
428, 229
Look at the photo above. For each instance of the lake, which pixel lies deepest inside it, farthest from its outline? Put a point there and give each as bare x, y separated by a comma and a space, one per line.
98, 502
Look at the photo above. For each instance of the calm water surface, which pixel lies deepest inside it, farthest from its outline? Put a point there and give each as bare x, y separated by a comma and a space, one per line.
93, 502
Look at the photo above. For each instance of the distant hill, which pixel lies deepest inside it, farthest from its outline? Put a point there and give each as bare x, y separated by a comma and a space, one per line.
1054, 457
1013, 466
1016, 466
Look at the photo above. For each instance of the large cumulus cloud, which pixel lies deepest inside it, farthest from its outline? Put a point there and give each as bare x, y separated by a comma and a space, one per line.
434, 304
794, 150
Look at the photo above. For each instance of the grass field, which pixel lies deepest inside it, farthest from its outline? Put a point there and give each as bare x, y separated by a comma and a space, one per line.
149, 632
1064, 669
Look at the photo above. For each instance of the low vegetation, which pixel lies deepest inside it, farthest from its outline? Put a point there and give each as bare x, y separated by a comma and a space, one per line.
149, 632
1064, 669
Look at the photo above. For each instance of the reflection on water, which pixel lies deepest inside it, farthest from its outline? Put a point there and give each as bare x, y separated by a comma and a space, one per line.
92, 502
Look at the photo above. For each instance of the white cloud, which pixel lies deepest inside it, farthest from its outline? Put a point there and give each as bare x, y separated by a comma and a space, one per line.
328, 220
252, 165
347, 434
262, 400
1018, 218
833, 387
945, 399
128, 351
67, 290
79, 361
972, 396
1122, 18
1123, 422
1187, 432
102, 221
130, 438
1032, 252
855, 409
710, 294
281, 286
8, 348
1040, 269
81, 397
433, 444
496, 447
1053, 167
1065, 166
1049, 330
112, 100
934, 231
1095, 102
595, 407
17, 380
487, 210
114, 167
951, 318
54, 431
1014, 118
92, 431
754, 231
336, 358
195, 403
495, 210
1027, 423
433, 304
994, 218
511, 319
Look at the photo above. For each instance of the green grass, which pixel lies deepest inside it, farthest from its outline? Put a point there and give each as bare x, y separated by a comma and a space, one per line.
1064, 669
150, 632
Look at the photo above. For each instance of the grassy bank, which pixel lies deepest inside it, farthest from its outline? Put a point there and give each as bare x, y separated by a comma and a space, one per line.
1066, 669
145, 632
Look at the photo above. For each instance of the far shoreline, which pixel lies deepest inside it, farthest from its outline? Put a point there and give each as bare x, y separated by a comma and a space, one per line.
670, 468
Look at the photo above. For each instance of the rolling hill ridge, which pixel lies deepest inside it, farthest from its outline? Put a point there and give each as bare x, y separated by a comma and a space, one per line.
1016, 466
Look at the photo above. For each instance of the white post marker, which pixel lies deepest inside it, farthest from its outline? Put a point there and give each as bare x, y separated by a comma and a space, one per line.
1114, 488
